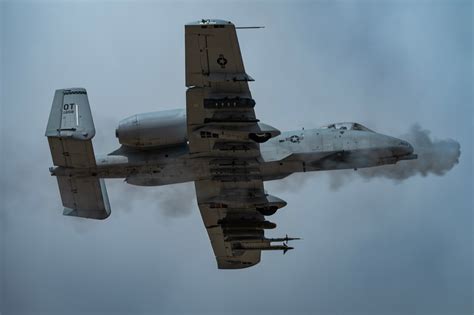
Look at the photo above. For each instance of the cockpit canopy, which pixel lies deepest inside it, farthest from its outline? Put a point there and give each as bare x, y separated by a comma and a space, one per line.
347, 126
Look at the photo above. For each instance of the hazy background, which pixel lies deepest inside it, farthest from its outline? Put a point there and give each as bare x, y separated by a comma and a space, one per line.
370, 247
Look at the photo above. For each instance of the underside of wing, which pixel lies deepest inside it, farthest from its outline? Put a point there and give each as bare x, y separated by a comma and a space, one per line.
213, 55
233, 214
222, 222
224, 133
219, 105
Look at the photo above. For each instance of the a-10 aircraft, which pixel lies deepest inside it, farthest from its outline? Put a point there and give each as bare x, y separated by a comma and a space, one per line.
217, 142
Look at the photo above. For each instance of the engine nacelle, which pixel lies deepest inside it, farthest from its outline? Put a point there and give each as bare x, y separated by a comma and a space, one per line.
156, 129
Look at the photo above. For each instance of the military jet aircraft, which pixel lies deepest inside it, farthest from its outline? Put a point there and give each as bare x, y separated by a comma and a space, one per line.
217, 142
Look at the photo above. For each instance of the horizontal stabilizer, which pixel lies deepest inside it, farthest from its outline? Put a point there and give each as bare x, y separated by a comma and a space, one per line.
84, 197
70, 131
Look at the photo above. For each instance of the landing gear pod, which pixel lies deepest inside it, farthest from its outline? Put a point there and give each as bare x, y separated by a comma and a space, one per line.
266, 133
260, 137
271, 206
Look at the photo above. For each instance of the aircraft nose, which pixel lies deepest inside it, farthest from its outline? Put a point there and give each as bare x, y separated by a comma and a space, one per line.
403, 148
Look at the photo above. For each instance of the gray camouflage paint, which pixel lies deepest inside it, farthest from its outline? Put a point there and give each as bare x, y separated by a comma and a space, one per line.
370, 247
155, 151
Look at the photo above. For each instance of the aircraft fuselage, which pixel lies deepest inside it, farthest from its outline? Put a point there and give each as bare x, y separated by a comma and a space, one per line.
290, 152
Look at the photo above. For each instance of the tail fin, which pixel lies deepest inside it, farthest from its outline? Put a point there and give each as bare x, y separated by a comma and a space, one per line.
69, 131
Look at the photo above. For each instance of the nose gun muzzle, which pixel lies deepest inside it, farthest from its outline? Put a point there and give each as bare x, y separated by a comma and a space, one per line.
404, 151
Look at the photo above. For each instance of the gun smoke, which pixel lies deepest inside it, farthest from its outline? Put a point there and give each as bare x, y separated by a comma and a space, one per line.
434, 157
172, 201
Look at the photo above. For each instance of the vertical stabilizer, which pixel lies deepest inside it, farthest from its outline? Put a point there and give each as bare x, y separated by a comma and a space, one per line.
70, 131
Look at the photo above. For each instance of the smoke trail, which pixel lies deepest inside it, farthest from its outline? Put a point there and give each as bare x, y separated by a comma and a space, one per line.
173, 201
434, 157
177, 200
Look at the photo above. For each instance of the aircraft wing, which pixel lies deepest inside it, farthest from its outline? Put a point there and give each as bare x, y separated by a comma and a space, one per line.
213, 55
224, 133
228, 221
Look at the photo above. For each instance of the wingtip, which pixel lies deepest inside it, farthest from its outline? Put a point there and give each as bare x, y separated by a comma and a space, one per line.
209, 22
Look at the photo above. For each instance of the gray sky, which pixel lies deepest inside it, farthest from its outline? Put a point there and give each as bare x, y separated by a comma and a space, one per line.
370, 247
